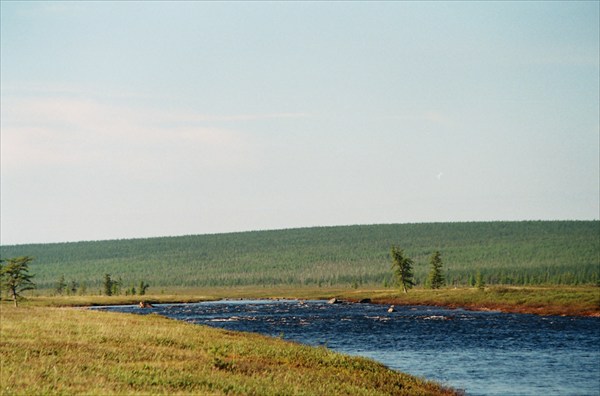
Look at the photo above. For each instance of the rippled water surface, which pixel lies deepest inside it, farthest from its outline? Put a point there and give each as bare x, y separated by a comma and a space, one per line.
484, 353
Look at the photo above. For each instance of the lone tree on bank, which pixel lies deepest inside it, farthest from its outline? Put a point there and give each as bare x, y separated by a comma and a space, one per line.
61, 285
15, 277
108, 285
142, 288
479, 282
402, 267
436, 278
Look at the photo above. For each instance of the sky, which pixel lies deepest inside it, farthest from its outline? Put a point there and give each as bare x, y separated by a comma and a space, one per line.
140, 119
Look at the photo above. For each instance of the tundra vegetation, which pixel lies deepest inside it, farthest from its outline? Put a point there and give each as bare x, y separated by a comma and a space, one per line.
541, 267
48, 350
529, 253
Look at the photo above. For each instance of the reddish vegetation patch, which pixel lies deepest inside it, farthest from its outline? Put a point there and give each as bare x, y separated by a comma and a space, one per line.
544, 310
503, 307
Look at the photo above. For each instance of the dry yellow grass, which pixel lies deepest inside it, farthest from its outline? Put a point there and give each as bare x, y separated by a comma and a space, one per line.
46, 350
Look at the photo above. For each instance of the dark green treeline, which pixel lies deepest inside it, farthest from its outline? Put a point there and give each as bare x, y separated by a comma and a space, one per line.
517, 253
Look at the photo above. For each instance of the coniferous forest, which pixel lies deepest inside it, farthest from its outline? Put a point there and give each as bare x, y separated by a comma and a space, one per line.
511, 253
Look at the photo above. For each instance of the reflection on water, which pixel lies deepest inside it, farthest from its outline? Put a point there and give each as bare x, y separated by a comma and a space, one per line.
485, 353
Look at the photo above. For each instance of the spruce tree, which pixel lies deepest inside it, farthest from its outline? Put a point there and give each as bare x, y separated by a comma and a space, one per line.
479, 282
402, 267
15, 277
142, 288
436, 278
61, 285
108, 285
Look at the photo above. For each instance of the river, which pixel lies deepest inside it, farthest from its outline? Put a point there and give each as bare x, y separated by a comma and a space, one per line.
483, 353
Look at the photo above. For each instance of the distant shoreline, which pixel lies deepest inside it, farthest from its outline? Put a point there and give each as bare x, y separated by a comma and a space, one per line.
554, 301
543, 311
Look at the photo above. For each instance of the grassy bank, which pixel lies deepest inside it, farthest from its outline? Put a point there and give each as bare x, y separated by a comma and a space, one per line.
555, 300
570, 301
46, 350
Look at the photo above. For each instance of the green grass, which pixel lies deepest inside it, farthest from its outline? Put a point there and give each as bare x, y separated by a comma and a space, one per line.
47, 350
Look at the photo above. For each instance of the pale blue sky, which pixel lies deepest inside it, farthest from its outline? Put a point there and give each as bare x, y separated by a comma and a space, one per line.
137, 119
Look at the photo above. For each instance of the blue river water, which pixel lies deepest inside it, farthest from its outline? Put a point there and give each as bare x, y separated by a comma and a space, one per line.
482, 353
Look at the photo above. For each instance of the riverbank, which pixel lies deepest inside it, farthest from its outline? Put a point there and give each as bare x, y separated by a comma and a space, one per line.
563, 301
47, 350
555, 300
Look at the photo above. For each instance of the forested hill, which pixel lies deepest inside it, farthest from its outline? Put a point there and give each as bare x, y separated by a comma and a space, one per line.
530, 252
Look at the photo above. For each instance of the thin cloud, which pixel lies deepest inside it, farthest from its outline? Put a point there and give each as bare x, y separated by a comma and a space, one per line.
67, 130
187, 117
61, 90
433, 117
